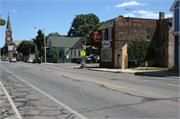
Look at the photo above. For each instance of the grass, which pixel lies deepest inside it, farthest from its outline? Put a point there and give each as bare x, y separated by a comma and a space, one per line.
156, 68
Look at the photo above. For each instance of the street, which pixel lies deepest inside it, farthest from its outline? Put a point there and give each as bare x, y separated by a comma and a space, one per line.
45, 91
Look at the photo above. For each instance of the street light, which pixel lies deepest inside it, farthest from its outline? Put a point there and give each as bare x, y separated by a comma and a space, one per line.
44, 42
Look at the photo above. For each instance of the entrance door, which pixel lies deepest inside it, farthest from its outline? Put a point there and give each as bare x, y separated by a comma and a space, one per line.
156, 61
118, 60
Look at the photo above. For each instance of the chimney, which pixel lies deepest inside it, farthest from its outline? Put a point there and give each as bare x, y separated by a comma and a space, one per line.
161, 15
71, 35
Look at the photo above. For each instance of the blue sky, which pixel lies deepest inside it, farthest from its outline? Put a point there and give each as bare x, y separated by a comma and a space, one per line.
57, 15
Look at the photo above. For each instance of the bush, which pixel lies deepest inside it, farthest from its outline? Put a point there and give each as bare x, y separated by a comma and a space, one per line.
140, 51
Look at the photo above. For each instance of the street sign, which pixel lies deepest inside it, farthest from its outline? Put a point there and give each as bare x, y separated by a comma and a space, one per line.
83, 53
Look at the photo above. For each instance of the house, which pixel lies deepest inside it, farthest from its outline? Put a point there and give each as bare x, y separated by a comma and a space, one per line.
175, 8
176, 31
118, 32
75, 50
65, 42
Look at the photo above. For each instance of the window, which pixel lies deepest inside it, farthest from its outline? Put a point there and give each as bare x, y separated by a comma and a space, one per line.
163, 52
148, 34
103, 34
79, 53
106, 54
110, 33
74, 53
163, 35
71, 52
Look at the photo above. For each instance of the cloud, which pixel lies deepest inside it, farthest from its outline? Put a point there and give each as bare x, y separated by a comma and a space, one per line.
160, 7
107, 7
168, 15
13, 11
132, 3
151, 15
131, 15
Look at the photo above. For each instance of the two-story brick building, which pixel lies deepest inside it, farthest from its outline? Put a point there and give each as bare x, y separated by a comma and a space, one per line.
117, 32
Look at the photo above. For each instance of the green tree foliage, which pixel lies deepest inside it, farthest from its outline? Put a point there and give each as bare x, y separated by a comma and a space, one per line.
140, 51
3, 22
24, 47
83, 24
56, 53
40, 42
90, 36
4, 49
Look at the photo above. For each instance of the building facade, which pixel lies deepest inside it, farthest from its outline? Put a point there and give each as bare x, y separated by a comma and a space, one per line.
176, 32
117, 32
8, 30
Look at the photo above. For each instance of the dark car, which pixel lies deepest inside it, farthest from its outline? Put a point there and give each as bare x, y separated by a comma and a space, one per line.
25, 60
17, 58
88, 59
37, 60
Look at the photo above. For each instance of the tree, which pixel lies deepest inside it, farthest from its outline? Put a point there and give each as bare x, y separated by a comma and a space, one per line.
90, 36
4, 49
140, 50
83, 24
24, 47
40, 42
3, 22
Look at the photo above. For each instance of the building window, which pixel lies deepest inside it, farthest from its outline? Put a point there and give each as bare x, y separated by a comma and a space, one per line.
71, 52
110, 33
163, 52
79, 53
163, 35
106, 54
74, 53
103, 34
147, 34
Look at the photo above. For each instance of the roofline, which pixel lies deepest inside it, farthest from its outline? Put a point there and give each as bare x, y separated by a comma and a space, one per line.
172, 7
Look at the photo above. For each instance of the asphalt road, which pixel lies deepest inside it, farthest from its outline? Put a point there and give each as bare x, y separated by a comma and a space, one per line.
44, 91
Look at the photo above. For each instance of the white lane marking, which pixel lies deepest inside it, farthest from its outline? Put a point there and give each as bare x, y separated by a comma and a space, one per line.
55, 100
11, 102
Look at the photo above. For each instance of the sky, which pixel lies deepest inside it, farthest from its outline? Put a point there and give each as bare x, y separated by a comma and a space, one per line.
57, 15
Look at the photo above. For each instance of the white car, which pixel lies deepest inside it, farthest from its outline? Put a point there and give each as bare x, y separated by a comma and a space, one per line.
30, 60
13, 59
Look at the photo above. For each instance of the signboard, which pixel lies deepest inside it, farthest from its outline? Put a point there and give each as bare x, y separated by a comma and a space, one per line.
106, 44
83, 53
146, 64
97, 38
10, 47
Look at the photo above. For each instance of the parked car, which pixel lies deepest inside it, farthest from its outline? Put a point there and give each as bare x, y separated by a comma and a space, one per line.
88, 59
6, 59
25, 60
37, 60
30, 60
17, 58
12, 59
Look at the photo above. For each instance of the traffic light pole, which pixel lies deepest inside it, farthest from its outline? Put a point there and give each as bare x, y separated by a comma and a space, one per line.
83, 62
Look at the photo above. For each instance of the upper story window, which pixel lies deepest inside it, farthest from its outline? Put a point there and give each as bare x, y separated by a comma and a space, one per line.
148, 32
110, 33
103, 34
163, 35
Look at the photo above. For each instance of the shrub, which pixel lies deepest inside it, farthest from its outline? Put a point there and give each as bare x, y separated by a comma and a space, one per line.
140, 51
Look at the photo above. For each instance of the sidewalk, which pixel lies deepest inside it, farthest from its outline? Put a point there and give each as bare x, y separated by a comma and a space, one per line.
152, 73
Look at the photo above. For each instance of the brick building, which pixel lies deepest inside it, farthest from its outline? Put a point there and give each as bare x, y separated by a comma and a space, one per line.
115, 33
